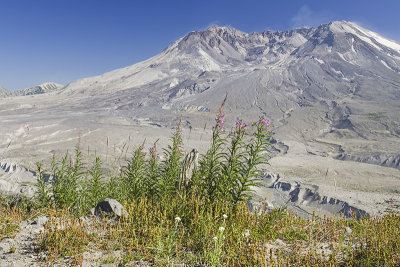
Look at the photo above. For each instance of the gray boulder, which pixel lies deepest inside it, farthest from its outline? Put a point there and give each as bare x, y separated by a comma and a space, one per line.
111, 207
41, 220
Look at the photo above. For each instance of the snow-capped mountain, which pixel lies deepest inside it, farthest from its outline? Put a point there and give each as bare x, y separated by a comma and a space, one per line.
306, 64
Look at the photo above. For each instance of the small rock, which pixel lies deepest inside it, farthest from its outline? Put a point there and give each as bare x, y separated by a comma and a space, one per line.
250, 206
110, 206
41, 220
348, 230
92, 211
269, 204
279, 242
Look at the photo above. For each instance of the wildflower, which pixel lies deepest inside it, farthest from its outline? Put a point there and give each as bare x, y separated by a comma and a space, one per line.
215, 238
177, 219
153, 152
219, 119
240, 125
246, 233
221, 229
264, 121
224, 216
349, 212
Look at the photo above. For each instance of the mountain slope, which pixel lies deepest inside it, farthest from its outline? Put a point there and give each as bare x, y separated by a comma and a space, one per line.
330, 61
339, 78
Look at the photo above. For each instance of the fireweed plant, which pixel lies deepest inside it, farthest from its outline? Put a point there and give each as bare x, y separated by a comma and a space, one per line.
205, 223
226, 172
230, 167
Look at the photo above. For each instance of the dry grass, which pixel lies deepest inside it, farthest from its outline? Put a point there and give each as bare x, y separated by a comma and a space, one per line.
203, 237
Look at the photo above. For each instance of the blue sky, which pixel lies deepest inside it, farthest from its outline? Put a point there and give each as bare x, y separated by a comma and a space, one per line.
63, 40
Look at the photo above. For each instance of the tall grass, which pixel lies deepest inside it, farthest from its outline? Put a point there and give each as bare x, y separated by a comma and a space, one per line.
226, 172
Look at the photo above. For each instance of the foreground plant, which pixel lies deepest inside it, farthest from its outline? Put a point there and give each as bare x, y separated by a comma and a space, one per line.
226, 172
231, 166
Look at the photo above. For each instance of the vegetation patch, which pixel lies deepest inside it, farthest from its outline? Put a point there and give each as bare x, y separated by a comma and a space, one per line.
10, 217
376, 115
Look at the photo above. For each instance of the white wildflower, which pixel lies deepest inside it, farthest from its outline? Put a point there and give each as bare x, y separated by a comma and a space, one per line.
224, 216
221, 229
215, 238
246, 233
177, 219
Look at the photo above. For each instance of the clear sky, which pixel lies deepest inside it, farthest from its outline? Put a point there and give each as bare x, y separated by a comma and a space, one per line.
63, 40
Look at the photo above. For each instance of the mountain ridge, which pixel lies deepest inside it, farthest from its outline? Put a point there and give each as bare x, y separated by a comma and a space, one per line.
42, 88
220, 47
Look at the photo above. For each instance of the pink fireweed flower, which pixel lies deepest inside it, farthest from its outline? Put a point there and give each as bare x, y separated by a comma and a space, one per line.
350, 212
220, 121
264, 121
241, 125
153, 151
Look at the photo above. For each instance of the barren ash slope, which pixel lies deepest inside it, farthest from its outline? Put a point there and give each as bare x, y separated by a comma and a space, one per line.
332, 93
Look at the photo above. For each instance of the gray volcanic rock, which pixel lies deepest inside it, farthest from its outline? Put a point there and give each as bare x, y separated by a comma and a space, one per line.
110, 206
392, 160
